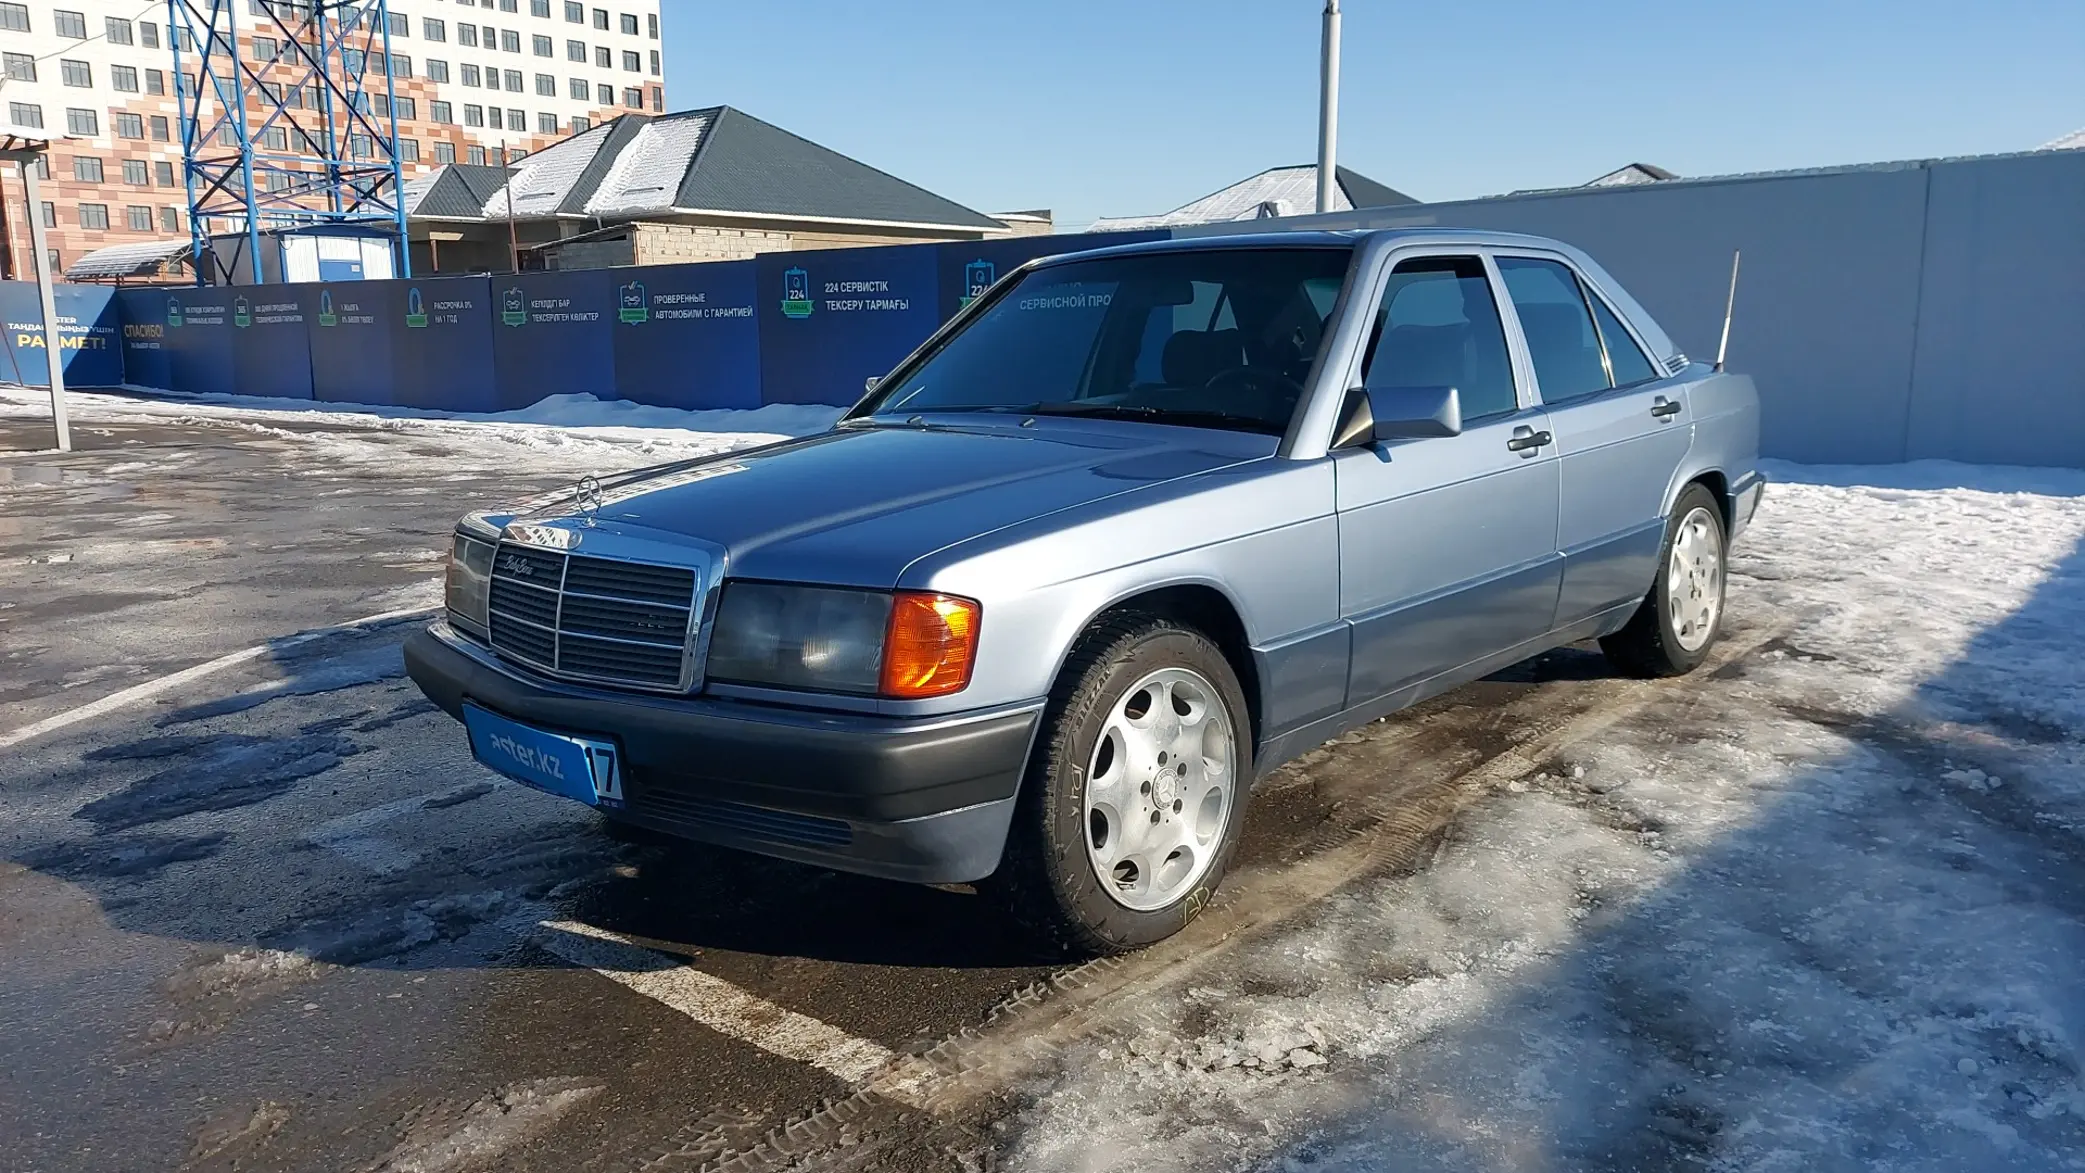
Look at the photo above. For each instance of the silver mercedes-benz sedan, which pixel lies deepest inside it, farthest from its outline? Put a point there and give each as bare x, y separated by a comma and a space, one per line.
1134, 528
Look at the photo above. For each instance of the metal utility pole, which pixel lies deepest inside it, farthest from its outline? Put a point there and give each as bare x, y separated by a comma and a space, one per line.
25, 153
513, 242
1328, 108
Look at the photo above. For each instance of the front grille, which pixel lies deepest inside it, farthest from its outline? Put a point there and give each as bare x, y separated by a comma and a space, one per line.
594, 619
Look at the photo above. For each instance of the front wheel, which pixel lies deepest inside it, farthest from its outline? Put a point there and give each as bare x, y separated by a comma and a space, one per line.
1133, 800
1680, 618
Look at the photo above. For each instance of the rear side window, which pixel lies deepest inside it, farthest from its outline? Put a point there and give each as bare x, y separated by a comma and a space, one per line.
1624, 358
1561, 340
1439, 327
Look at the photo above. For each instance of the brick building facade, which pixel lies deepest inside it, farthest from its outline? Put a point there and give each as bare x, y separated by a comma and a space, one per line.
469, 78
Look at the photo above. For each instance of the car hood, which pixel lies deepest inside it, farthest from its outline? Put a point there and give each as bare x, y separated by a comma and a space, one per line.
856, 505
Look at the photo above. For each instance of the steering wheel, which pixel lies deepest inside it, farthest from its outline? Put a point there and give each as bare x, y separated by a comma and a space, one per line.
1261, 380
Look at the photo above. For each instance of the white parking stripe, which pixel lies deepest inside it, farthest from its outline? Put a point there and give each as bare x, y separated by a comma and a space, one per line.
716, 1003
152, 688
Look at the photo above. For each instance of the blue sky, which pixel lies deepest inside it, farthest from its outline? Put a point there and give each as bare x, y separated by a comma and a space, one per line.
1137, 106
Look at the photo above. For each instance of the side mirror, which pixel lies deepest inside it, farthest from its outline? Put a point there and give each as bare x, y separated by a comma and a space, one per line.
869, 384
1373, 414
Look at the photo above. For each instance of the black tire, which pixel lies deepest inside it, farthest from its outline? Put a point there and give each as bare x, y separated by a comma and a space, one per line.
1046, 878
1650, 646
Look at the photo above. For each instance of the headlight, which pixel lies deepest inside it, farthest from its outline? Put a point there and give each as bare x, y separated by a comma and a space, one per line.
469, 582
905, 644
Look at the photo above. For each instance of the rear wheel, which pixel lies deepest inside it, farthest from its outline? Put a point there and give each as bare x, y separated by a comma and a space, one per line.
1680, 619
1132, 802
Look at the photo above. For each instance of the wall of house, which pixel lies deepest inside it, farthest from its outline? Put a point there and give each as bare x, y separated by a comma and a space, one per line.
1925, 310
676, 244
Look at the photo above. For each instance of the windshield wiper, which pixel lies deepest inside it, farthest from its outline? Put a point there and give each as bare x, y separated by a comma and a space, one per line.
1191, 417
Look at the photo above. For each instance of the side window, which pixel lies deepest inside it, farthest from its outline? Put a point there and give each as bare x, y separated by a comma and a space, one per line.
1561, 341
1439, 327
1624, 358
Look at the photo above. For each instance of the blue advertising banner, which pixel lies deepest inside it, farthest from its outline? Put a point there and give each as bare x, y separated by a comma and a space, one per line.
551, 335
146, 360
687, 335
441, 356
969, 267
199, 339
88, 333
348, 335
271, 349
831, 320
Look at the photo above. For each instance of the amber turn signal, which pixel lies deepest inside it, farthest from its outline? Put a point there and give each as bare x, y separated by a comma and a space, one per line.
930, 646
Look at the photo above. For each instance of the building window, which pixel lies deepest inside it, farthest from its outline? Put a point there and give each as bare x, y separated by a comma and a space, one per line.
148, 34
275, 138
575, 13
632, 63
406, 107
136, 173
467, 35
163, 172
82, 122
546, 122
543, 46
409, 150
546, 86
510, 41
517, 120
579, 89
629, 24
161, 128
436, 70
401, 65
129, 125
444, 152
441, 111
476, 154
71, 24
581, 123
265, 49
514, 82
138, 217
119, 31
539, 8
227, 135
604, 95
169, 220
355, 61
20, 66
434, 28
575, 51
400, 25
651, 25
604, 58
495, 119
50, 214
655, 63
489, 35
15, 17
361, 146
658, 99
124, 78
509, 6
155, 81
25, 114
633, 98
77, 74
94, 215
473, 115
601, 19
470, 75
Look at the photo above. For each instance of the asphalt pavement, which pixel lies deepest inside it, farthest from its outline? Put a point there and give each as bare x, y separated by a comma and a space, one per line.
277, 918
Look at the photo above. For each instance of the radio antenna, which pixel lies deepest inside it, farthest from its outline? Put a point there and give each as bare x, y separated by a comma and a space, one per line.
1729, 304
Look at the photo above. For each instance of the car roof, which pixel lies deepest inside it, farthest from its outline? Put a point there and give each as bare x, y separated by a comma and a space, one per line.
1347, 239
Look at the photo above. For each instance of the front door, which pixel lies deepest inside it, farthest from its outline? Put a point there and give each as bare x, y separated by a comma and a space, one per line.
1447, 545
1621, 428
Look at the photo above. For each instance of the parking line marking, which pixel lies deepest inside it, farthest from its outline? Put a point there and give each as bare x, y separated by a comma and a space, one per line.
152, 688
716, 1003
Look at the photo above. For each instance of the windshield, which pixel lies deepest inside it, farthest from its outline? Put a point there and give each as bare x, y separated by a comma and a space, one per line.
1215, 338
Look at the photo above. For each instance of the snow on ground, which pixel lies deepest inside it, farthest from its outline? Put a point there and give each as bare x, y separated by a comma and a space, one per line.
576, 433
1833, 920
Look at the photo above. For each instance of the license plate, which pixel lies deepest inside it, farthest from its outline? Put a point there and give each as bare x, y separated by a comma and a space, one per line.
583, 769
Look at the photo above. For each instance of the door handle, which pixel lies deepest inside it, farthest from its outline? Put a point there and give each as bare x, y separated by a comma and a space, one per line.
1528, 440
1663, 407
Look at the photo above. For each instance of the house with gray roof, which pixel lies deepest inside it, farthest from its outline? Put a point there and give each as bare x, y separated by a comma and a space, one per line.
1277, 191
710, 184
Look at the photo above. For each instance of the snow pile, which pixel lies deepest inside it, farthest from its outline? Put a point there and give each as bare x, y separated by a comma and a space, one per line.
1833, 918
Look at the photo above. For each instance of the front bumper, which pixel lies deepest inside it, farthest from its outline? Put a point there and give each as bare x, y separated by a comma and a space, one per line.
921, 799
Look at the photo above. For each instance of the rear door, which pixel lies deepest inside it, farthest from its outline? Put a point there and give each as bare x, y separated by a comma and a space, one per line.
1621, 429
1447, 546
